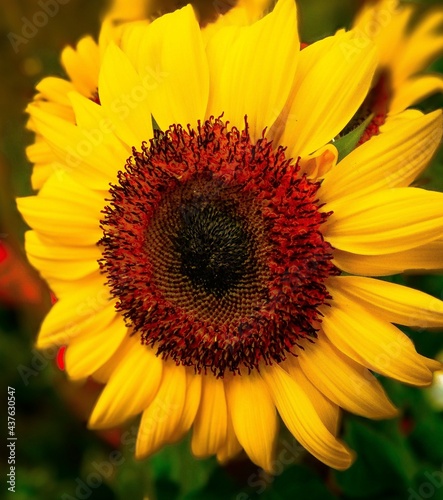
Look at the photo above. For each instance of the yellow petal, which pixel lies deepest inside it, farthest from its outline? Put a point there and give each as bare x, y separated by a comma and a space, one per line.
40, 152
255, 8
42, 172
131, 387
44, 160
65, 211
211, 422
82, 65
254, 417
231, 447
125, 98
89, 351
389, 221
88, 154
392, 302
419, 48
423, 258
170, 59
243, 13
161, 419
301, 418
192, 402
53, 109
108, 155
341, 65
59, 261
415, 90
392, 159
239, 88
55, 89
328, 411
372, 341
344, 381
75, 314
432, 364
104, 373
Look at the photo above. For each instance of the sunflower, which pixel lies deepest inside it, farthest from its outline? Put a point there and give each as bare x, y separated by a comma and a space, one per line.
215, 267
407, 44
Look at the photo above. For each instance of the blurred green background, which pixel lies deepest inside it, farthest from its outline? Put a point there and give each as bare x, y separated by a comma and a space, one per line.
56, 457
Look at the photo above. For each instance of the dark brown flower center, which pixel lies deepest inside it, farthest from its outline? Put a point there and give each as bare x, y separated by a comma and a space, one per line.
207, 250
212, 246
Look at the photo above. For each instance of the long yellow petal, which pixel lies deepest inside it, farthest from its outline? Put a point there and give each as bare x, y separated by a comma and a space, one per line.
75, 314
55, 89
343, 67
255, 8
344, 381
87, 154
169, 56
131, 387
254, 417
231, 447
210, 425
243, 13
60, 261
239, 88
52, 109
389, 221
59, 201
328, 411
372, 341
82, 65
423, 258
88, 352
301, 418
392, 302
104, 373
415, 90
191, 404
419, 48
125, 100
161, 419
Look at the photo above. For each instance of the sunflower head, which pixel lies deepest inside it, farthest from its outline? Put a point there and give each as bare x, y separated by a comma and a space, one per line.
213, 249
212, 254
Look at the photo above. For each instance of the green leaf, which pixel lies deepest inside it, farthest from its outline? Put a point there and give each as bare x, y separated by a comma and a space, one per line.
348, 142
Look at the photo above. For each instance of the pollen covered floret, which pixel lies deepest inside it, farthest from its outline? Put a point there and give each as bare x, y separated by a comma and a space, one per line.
212, 246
